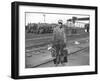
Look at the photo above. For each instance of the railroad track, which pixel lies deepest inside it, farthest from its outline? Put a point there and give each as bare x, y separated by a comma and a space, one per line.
35, 46
44, 47
48, 37
68, 55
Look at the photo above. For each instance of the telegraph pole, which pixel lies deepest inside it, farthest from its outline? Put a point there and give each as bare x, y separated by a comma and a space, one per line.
44, 17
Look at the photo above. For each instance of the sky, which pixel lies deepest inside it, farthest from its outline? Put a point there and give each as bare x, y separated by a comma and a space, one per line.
50, 18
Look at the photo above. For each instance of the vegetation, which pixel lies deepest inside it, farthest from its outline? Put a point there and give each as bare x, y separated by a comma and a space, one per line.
44, 28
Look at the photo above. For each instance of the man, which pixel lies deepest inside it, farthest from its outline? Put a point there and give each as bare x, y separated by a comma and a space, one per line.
59, 42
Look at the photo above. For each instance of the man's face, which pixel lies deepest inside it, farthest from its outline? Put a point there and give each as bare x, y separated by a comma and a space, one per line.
60, 25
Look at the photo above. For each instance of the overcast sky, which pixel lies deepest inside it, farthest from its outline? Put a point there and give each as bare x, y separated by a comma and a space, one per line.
49, 18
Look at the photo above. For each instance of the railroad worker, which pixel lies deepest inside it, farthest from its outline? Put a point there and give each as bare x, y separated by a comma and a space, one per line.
59, 42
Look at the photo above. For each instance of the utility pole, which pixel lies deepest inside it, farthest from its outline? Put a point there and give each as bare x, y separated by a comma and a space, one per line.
44, 17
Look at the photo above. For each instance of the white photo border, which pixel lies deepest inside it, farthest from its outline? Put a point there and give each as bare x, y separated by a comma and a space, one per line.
53, 70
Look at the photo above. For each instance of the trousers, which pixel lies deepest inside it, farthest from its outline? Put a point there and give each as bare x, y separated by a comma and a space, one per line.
59, 52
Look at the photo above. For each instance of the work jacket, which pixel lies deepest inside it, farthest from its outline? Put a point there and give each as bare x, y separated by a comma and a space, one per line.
59, 35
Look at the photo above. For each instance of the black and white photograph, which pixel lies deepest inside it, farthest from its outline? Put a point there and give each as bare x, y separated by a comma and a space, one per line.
51, 40
54, 39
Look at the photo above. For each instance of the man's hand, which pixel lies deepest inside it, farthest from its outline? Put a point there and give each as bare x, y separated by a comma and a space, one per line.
65, 48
